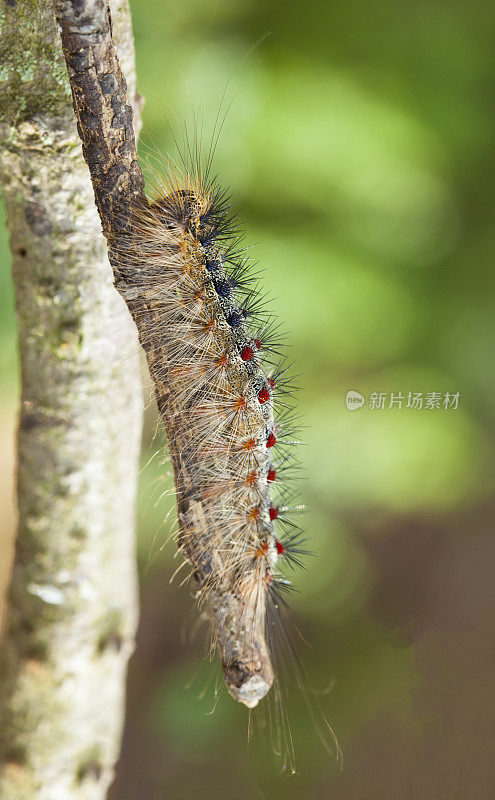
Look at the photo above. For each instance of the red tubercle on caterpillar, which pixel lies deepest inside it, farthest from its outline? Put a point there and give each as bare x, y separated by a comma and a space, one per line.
247, 353
272, 440
273, 513
271, 382
280, 547
255, 513
263, 395
271, 476
257, 344
250, 444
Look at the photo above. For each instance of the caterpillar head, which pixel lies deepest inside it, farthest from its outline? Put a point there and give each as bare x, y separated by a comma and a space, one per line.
191, 210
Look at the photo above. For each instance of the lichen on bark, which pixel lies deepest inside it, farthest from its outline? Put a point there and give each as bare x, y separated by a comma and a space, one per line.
73, 597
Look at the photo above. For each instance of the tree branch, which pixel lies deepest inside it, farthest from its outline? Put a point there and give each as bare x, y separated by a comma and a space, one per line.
73, 595
104, 118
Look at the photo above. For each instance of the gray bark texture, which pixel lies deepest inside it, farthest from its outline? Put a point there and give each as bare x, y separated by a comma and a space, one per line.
73, 596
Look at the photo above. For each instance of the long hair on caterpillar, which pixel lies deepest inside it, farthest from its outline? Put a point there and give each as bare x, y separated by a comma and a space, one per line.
228, 415
271, 721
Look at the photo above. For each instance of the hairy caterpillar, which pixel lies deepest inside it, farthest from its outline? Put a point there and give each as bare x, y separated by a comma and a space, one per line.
217, 400
219, 375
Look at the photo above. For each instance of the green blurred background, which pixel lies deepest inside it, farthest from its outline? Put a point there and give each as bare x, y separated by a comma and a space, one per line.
360, 148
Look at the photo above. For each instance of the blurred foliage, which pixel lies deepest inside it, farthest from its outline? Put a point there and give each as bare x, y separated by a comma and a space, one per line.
358, 141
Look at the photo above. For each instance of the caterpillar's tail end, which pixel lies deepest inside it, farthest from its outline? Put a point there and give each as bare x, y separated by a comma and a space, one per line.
249, 686
251, 692
238, 623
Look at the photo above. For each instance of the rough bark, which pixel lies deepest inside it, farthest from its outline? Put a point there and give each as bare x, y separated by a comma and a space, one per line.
105, 127
73, 599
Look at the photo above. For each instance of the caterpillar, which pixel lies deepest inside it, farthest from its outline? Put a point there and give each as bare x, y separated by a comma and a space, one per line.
223, 390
